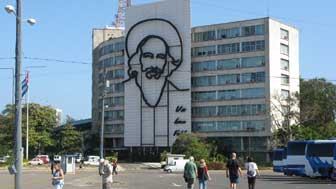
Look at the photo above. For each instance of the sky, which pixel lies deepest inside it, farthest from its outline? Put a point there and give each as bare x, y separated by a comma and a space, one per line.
63, 32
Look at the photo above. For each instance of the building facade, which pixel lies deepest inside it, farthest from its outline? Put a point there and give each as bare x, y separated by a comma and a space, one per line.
239, 70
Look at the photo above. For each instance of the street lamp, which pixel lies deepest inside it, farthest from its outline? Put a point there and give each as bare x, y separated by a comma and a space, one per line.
18, 111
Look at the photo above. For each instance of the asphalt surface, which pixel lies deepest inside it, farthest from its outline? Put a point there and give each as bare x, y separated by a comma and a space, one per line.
136, 178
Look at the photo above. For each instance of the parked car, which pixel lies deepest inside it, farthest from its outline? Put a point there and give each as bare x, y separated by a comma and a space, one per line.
175, 166
36, 161
57, 158
92, 160
44, 158
79, 157
4, 159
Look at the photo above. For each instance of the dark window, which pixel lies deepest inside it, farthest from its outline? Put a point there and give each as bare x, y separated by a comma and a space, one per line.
321, 150
277, 155
296, 148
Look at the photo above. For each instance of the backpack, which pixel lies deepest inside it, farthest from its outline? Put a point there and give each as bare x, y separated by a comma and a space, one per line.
250, 172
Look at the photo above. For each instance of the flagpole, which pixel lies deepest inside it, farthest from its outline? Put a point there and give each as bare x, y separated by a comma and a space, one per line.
27, 123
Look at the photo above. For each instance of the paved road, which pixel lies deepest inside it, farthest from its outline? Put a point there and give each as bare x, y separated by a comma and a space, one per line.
155, 179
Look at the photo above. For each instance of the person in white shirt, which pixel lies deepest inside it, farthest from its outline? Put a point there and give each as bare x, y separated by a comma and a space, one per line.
252, 172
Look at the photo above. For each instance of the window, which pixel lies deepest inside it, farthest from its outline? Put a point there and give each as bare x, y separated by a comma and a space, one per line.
228, 33
242, 110
204, 126
228, 48
229, 125
253, 93
203, 51
284, 94
228, 94
114, 101
208, 111
284, 49
252, 46
114, 128
119, 73
119, 60
203, 81
253, 77
253, 30
320, 150
284, 34
228, 64
114, 115
204, 96
204, 66
284, 79
249, 62
296, 148
284, 64
228, 79
204, 36
255, 125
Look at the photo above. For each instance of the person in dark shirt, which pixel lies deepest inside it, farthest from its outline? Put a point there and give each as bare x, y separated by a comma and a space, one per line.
233, 171
203, 175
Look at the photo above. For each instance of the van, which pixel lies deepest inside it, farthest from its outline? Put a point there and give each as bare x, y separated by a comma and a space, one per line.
175, 166
92, 160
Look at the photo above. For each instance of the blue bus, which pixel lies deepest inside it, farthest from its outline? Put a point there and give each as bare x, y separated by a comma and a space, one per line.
278, 160
296, 156
320, 158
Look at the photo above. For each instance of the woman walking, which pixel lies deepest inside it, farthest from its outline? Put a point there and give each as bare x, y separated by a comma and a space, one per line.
252, 172
58, 176
203, 175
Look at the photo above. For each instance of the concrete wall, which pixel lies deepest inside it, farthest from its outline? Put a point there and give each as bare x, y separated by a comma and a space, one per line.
145, 125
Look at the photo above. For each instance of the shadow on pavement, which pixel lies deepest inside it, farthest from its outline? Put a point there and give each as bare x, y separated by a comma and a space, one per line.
295, 180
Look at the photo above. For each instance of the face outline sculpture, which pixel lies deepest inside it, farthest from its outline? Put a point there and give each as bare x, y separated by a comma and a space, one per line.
153, 61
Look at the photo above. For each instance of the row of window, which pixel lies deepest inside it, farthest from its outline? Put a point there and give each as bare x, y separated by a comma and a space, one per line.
113, 74
231, 110
112, 61
249, 46
228, 79
228, 94
228, 33
247, 62
115, 47
114, 115
113, 101
220, 126
115, 88
114, 128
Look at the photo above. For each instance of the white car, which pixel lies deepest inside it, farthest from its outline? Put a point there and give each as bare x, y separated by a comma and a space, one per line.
4, 159
36, 161
92, 160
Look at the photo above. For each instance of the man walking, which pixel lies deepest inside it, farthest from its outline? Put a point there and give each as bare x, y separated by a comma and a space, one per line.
190, 173
106, 172
233, 171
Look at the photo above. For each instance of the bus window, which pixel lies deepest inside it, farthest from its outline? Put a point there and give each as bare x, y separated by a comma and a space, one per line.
277, 155
296, 148
320, 150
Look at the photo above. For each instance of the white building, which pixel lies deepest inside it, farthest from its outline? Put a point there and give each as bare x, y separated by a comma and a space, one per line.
234, 73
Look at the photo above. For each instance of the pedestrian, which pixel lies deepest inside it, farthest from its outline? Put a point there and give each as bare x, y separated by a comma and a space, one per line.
203, 175
190, 173
252, 172
58, 176
233, 171
106, 172
115, 166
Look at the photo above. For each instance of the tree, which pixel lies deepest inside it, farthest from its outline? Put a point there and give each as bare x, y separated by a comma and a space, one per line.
42, 120
191, 145
67, 140
285, 115
317, 102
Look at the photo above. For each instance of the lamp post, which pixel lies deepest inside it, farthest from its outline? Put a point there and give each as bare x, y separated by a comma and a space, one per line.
18, 111
106, 84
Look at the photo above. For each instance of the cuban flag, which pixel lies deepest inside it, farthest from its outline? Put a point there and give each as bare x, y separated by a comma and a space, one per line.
25, 84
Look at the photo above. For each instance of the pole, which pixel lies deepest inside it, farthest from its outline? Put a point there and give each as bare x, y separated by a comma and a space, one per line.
13, 87
27, 124
102, 125
18, 98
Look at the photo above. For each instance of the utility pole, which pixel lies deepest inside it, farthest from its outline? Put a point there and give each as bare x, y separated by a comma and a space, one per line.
18, 99
105, 84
